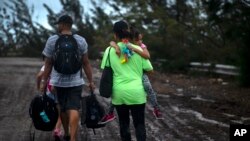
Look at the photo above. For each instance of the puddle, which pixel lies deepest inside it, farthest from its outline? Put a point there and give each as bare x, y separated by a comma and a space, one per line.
228, 115
180, 90
241, 119
245, 118
179, 94
237, 121
199, 116
163, 95
198, 97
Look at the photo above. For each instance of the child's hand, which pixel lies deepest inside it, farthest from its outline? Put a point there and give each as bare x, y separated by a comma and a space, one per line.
118, 52
140, 42
43, 86
53, 90
112, 43
117, 49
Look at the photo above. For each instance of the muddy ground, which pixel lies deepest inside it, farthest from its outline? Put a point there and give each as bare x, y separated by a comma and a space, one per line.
195, 108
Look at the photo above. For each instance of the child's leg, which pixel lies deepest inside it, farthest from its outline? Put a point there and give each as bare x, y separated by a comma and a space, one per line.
150, 91
111, 108
57, 130
59, 123
109, 116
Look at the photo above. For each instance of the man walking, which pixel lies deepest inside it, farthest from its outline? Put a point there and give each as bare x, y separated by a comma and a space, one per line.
65, 56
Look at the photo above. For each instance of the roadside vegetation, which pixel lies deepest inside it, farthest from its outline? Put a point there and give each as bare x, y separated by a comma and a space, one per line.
178, 32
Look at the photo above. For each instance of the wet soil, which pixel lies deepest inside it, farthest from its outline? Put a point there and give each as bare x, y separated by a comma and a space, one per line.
195, 108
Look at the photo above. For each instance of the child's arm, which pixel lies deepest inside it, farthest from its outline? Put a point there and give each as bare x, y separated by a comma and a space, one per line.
144, 53
38, 79
117, 49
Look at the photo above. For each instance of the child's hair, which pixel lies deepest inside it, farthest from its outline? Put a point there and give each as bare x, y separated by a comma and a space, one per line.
121, 29
134, 33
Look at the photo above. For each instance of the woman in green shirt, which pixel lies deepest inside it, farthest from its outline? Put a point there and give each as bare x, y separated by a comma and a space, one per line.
128, 94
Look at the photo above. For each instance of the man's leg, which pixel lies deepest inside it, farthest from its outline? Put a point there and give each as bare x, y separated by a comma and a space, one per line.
62, 99
72, 107
111, 108
74, 118
65, 123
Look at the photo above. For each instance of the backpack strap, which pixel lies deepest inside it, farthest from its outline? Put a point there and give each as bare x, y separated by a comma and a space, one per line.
78, 48
59, 35
56, 44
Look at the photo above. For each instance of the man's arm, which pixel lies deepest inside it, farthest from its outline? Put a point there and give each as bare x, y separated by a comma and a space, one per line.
47, 70
88, 70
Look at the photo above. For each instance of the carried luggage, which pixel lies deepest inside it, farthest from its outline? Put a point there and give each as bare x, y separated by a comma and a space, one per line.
43, 112
106, 82
94, 112
67, 58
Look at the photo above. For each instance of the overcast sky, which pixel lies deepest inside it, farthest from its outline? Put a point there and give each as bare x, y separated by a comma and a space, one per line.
40, 12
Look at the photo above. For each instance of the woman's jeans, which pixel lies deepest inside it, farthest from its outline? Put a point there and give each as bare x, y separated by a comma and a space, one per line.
138, 115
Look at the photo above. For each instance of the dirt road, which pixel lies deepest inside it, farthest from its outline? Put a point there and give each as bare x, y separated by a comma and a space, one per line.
190, 113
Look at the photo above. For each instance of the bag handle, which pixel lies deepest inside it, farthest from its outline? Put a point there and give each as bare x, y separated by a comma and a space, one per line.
92, 92
108, 58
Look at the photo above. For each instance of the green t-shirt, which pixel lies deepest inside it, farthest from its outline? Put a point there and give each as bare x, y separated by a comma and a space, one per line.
127, 79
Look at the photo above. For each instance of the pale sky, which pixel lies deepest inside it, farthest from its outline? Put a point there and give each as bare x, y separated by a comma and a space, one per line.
40, 13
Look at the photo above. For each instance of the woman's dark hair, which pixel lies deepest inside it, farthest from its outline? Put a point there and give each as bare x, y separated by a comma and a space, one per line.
121, 29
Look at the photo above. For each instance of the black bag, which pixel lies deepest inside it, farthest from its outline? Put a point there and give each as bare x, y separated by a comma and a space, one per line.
94, 112
106, 82
67, 58
43, 112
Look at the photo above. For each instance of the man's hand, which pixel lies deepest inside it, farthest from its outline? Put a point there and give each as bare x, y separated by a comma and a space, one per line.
92, 86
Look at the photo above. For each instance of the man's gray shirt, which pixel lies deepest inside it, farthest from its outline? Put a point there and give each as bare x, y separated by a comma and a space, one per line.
62, 80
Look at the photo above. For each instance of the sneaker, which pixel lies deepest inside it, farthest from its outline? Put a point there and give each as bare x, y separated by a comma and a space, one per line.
66, 138
157, 113
107, 118
57, 134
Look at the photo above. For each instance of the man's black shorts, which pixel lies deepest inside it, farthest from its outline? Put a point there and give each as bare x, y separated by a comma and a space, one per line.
69, 98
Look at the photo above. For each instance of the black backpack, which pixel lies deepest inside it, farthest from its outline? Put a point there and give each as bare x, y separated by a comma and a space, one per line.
43, 112
94, 113
67, 58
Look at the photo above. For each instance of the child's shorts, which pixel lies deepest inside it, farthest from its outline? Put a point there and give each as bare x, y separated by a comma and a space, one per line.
53, 96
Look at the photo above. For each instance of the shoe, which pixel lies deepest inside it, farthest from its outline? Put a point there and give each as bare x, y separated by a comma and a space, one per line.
107, 118
66, 138
57, 138
57, 134
157, 113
